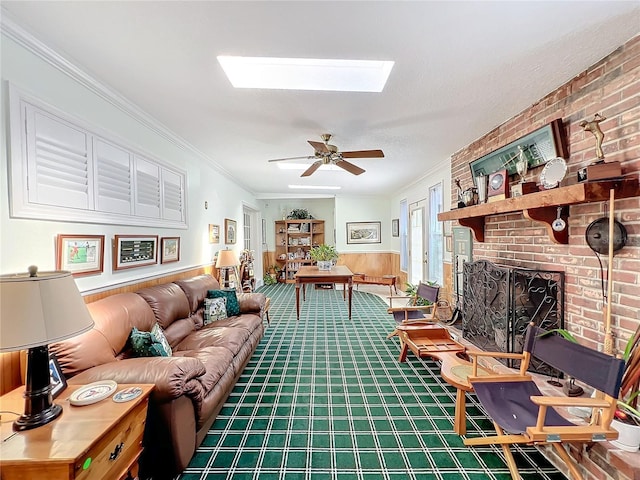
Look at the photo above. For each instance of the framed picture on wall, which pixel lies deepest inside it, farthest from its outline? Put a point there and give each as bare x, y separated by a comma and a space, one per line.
131, 251
214, 233
229, 231
80, 254
170, 249
395, 227
363, 232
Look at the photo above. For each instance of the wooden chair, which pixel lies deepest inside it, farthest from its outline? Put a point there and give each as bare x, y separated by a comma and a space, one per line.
414, 313
516, 405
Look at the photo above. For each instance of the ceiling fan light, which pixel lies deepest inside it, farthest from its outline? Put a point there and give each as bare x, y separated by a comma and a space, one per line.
304, 166
306, 73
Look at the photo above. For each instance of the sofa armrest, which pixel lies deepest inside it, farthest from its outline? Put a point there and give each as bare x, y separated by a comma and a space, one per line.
172, 376
252, 302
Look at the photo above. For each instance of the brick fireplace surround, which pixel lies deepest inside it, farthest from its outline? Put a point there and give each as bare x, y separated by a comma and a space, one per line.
611, 87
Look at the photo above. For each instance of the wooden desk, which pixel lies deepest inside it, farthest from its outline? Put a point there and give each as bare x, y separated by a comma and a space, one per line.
337, 274
102, 440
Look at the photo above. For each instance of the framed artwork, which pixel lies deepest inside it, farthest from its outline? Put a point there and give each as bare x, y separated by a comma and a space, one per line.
538, 147
363, 232
395, 227
214, 233
170, 249
58, 382
448, 243
80, 254
131, 251
229, 231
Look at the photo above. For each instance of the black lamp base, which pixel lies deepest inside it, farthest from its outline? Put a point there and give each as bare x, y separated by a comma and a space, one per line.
39, 408
26, 422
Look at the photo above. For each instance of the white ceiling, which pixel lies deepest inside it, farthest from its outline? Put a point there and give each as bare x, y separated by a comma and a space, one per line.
461, 69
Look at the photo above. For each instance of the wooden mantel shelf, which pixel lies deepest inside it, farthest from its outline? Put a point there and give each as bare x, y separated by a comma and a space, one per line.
543, 206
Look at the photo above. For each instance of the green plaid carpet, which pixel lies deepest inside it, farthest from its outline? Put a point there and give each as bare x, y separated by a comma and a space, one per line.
326, 399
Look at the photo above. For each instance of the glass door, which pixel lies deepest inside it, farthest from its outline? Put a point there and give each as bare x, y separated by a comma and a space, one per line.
417, 250
436, 238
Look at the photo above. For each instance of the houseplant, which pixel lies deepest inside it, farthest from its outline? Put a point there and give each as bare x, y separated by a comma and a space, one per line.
324, 255
627, 417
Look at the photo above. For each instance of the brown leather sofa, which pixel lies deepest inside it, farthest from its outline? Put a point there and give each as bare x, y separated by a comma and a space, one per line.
191, 385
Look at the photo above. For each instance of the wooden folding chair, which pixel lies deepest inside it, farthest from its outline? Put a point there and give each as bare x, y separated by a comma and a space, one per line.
521, 414
414, 313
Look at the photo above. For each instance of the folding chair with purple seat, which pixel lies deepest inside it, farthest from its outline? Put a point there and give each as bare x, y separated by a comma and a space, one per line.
516, 405
414, 313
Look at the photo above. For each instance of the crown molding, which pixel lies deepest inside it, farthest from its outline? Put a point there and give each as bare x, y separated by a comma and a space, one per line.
18, 34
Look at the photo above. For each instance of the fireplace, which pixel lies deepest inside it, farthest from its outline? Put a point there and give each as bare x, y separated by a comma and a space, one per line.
499, 301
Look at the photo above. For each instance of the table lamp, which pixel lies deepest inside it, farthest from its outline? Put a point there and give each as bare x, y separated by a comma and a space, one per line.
37, 309
227, 261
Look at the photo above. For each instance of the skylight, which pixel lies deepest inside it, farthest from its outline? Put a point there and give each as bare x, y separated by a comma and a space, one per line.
306, 73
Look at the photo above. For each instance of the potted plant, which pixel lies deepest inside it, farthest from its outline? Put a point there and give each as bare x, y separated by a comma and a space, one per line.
627, 417
324, 255
271, 277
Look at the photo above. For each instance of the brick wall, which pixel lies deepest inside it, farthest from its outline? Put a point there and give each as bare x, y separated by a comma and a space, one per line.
612, 88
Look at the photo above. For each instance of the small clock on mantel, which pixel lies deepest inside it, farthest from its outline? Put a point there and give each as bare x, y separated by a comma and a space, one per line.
498, 186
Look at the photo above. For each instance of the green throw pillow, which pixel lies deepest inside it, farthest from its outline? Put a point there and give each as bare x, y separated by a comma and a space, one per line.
148, 344
233, 307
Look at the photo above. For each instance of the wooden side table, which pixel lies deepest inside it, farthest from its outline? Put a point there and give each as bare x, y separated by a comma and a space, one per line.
102, 440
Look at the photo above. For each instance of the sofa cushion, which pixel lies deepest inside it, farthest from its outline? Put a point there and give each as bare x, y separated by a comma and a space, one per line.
249, 322
233, 307
216, 361
213, 336
214, 309
196, 288
171, 309
114, 318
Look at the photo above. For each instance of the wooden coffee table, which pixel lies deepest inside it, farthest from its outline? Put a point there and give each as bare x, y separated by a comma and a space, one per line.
337, 274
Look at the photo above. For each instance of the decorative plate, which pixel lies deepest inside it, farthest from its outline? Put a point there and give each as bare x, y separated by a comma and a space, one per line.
127, 394
553, 172
92, 393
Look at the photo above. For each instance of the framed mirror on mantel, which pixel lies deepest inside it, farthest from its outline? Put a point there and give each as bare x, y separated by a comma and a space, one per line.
543, 206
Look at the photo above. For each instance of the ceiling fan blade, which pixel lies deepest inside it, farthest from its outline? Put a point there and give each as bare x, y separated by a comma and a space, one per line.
314, 166
349, 167
307, 157
363, 154
319, 146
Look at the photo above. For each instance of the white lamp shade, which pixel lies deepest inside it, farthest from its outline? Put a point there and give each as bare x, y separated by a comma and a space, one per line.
227, 258
39, 310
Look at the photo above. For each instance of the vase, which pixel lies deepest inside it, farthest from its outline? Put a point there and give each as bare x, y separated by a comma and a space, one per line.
325, 264
628, 436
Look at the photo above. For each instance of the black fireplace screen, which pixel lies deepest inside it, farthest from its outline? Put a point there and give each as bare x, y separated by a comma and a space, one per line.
500, 301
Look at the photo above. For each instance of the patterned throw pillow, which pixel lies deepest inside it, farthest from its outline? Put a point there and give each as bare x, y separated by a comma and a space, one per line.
150, 344
214, 309
233, 307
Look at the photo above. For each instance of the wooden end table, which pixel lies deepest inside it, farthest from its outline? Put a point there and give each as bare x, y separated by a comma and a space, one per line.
102, 440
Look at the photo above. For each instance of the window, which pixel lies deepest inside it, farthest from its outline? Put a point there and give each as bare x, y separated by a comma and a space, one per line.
62, 170
404, 239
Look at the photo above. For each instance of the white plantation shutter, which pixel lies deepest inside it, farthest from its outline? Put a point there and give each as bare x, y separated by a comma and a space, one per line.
147, 188
173, 195
58, 162
114, 174
62, 170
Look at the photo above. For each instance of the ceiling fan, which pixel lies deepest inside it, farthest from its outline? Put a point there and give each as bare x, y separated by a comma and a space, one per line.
326, 154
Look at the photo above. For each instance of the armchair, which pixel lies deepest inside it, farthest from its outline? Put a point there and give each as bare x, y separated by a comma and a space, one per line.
522, 415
